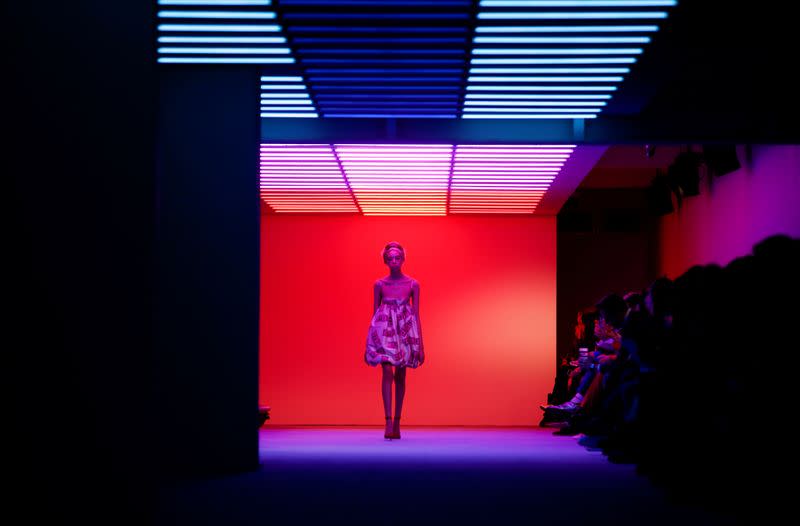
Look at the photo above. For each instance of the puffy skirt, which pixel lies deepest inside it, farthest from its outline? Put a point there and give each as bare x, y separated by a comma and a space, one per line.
393, 336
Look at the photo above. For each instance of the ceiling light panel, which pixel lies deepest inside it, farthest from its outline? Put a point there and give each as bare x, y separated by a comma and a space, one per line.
384, 59
510, 179
409, 179
303, 178
555, 48
220, 32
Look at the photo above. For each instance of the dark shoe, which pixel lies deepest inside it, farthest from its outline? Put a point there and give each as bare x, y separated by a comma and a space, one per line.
620, 457
553, 419
387, 434
593, 441
566, 407
567, 431
395, 428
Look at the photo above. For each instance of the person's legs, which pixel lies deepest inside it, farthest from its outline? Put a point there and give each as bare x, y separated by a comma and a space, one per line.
386, 392
586, 381
575, 402
399, 394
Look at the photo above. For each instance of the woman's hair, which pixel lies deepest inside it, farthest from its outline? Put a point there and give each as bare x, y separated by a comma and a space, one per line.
585, 325
634, 299
390, 245
584, 331
662, 291
612, 309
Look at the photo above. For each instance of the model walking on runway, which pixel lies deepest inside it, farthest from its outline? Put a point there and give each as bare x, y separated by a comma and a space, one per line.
394, 340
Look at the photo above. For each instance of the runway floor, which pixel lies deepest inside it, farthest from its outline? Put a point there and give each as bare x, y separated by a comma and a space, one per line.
433, 475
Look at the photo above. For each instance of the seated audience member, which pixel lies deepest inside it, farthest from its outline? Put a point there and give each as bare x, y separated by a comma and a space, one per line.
568, 373
611, 311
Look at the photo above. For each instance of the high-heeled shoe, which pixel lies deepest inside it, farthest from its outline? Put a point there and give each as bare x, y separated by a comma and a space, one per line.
388, 435
396, 435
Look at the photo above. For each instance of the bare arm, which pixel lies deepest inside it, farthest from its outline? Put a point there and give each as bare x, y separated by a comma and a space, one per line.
376, 292
415, 294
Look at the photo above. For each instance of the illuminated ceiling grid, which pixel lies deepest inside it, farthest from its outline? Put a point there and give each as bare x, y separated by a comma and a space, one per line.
407, 179
444, 59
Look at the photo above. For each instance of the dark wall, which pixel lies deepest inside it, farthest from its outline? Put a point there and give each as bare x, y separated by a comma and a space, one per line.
208, 222
99, 413
77, 345
606, 243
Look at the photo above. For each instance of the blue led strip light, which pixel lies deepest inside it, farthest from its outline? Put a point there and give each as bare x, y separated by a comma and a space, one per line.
371, 3
381, 59
544, 59
419, 59
220, 32
286, 96
216, 2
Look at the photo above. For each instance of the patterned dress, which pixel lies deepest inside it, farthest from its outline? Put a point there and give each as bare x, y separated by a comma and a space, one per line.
393, 335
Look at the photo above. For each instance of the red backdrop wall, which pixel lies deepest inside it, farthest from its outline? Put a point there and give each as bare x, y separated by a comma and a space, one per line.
487, 311
735, 211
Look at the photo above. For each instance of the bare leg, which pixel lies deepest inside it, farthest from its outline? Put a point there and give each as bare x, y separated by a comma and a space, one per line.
386, 392
399, 394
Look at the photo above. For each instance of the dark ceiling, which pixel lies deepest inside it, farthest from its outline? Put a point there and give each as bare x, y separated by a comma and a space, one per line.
716, 72
629, 166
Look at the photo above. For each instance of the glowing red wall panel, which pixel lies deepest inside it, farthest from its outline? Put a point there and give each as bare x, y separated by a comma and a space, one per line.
487, 310
735, 211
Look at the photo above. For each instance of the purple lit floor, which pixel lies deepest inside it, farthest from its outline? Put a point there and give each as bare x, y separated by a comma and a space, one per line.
433, 475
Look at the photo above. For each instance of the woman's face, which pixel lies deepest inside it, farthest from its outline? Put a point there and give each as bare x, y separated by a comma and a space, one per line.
394, 258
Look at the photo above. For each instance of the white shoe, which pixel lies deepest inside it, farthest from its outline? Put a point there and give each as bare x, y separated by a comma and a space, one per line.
569, 407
